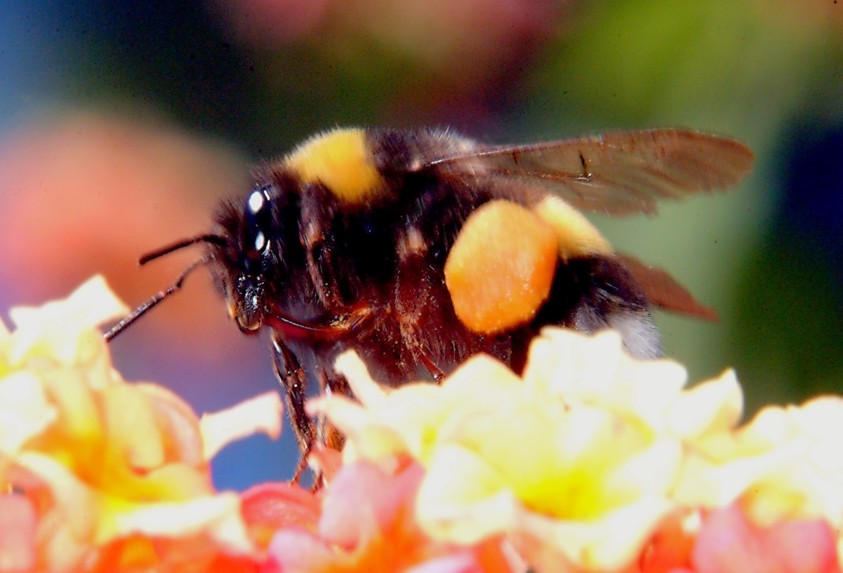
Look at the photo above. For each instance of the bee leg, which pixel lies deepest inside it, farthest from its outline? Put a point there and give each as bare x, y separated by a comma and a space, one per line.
342, 325
332, 383
421, 301
432, 368
292, 377
351, 318
321, 270
302, 466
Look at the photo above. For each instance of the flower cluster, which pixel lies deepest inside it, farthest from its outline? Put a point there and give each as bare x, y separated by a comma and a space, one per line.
596, 461
589, 461
98, 474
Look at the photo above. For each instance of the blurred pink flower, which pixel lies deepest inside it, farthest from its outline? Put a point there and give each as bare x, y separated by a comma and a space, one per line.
107, 188
17, 533
270, 507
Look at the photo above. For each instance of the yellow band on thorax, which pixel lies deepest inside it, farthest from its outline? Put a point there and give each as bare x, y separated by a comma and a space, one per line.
342, 161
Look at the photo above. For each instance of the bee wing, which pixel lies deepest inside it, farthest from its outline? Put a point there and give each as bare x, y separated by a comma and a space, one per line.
663, 290
617, 173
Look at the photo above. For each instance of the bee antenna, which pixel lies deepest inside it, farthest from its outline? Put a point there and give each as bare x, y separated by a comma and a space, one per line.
157, 253
142, 309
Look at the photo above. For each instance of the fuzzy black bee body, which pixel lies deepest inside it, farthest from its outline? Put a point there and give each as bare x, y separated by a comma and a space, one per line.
420, 248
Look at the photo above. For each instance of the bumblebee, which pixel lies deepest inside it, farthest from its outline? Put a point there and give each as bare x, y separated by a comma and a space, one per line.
418, 249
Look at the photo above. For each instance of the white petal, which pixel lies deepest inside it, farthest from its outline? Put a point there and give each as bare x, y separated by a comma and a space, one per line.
263, 413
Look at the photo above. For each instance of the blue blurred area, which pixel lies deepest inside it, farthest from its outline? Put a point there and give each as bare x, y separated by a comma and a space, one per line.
25, 65
813, 201
789, 333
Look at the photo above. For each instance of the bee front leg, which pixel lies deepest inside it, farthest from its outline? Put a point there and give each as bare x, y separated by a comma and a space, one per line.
341, 325
292, 378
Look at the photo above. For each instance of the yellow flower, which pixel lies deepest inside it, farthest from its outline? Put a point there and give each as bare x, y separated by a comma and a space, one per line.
786, 463
61, 331
576, 460
101, 460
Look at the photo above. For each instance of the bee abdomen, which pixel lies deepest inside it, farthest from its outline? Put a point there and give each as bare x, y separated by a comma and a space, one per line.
597, 292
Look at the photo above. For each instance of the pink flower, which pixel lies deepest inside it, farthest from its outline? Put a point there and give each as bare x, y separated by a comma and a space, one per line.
368, 524
17, 533
729, 543
269, 507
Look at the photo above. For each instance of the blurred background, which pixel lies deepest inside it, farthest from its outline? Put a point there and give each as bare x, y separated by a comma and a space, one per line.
122, 124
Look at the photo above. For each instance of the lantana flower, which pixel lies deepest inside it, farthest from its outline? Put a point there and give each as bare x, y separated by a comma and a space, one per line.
101, 474
775, 484
590, 460
562, 467
593, 460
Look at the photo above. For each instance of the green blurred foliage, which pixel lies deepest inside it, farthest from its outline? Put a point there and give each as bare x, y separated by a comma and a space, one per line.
789, 323
741, 67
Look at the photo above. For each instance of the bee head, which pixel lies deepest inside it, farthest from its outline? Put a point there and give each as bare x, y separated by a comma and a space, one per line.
245, 259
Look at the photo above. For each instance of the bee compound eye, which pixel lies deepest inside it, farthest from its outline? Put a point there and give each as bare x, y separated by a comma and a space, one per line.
260, 242
257, 200
258, 220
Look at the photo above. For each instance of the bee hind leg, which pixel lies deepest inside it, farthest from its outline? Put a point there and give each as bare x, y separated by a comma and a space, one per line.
331, 382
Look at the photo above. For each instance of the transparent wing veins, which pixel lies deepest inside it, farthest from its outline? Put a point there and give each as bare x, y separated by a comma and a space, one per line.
618, 173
